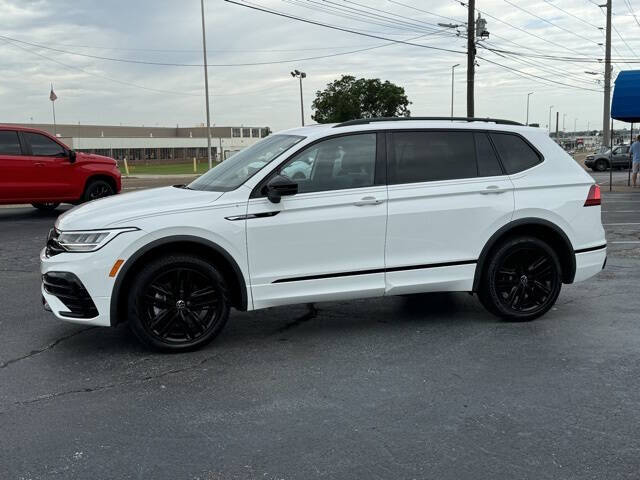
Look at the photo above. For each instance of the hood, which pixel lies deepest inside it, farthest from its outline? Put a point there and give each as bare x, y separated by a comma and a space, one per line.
124, 209
93, 158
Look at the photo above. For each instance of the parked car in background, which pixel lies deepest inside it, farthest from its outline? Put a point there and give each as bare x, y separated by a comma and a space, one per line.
39, 169
600, 162
386, 207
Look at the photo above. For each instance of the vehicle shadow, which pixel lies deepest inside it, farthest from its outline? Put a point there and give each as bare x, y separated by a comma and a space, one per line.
316, 323
30, 213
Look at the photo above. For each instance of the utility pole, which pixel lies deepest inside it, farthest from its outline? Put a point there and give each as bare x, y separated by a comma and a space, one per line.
471, 55
557, 122
452, 77
606, 111
549, 124
528, 95
206, 86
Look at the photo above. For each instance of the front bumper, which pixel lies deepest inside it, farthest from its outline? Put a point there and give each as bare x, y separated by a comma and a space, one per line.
77, 287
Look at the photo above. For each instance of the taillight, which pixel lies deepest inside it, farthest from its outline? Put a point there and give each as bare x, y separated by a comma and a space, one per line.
594, 196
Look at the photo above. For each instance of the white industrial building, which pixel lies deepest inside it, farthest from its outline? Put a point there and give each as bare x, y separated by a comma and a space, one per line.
142, 145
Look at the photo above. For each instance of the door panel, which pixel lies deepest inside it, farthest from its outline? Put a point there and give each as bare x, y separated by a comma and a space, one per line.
52, 172
436, 223
437, 229
326, 242
326, 235
17, 179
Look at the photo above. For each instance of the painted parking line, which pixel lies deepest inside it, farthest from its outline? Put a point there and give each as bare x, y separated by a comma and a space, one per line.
630, 223
628, 241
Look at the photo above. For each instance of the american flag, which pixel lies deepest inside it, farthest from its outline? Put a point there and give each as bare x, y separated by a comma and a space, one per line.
52, 96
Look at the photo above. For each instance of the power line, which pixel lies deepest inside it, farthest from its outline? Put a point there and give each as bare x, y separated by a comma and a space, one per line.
104, 77
544, 67
563, 47
426, 11
243, 64
572, 15
340, 12
386, 12
515, 70
550, 23
342, 29
628, 3
358, 15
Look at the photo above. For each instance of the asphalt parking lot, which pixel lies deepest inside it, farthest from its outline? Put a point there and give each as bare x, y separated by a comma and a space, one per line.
428, 386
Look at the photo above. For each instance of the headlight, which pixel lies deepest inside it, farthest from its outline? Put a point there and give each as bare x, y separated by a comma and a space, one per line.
89, 240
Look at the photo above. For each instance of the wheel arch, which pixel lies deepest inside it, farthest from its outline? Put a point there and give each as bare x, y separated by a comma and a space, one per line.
543, 229
172, 244
100, 176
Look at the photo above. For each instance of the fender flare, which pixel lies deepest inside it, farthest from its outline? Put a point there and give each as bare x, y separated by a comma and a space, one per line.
131, 261
505, 229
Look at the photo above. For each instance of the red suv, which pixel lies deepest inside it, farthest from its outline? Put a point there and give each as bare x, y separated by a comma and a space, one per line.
37, 168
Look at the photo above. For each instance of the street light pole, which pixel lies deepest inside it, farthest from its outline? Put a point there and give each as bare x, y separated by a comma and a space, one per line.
549, 124
206, 87
300, 75
452, 77
528, 95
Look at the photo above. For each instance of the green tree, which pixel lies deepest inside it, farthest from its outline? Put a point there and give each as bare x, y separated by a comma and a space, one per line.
349, 98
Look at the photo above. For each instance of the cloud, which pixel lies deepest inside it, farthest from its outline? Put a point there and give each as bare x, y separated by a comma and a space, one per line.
100, 91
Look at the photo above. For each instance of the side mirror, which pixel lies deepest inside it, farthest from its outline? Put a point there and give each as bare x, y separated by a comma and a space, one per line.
280, 186
72, 156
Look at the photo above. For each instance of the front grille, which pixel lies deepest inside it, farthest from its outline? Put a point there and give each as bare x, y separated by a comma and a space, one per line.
53, 247
68, 288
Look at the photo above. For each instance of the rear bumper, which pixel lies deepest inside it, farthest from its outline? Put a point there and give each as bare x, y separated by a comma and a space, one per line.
589, 263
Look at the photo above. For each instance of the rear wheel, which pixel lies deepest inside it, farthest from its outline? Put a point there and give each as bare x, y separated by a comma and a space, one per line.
522, 280
46, 207
178, 303
601, 165
97, 189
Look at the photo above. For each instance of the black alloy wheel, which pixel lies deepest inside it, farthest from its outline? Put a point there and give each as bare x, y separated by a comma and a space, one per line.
523, 279
178, 303
46, 207
97, 189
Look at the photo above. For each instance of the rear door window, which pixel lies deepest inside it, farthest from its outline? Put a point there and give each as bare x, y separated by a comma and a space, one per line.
42, 146
516, 154
425, 156
9, 143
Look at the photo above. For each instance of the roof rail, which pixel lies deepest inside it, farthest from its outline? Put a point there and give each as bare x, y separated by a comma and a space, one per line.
364, 121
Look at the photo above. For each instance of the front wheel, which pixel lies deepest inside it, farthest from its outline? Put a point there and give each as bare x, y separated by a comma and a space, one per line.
46, 207
97, 189
522, 280
178, 303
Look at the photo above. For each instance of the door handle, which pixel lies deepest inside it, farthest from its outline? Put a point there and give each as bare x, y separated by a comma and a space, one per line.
493, 189
368, 201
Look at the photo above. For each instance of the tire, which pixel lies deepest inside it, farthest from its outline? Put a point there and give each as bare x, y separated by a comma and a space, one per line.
601, 165
46, 207
96, 189
178, 303
522, 280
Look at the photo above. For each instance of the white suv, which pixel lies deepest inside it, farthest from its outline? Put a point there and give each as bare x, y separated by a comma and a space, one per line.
386, 207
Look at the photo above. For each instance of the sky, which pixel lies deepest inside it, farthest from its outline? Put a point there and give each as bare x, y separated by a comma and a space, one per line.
56, 41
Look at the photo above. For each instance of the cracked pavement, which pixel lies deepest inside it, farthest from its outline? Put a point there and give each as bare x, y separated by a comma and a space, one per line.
425, 386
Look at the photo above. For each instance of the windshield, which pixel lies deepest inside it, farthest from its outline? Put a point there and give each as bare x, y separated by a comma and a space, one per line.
233, 172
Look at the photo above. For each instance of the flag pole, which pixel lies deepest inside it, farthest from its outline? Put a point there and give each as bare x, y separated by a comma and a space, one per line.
53, 106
